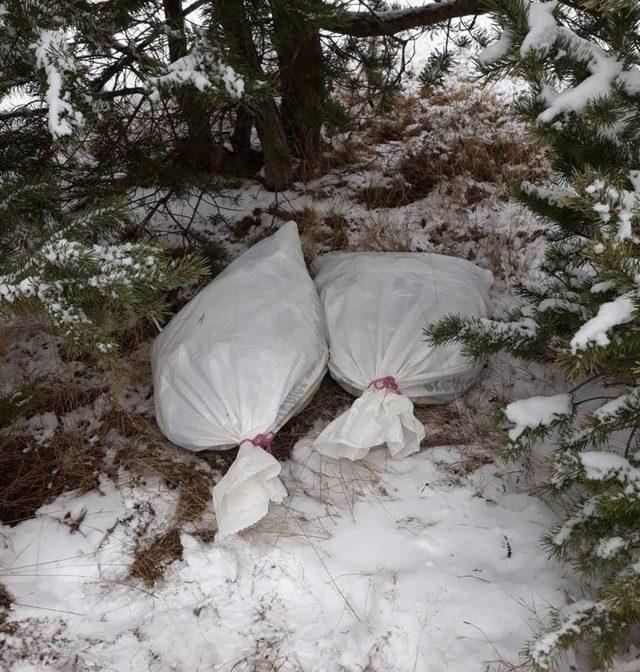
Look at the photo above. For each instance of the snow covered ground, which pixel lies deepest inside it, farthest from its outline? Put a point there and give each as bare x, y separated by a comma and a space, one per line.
432, 563
381, 565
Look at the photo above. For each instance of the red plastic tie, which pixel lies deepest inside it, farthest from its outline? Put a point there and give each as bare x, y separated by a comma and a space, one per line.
264, 441
386, 383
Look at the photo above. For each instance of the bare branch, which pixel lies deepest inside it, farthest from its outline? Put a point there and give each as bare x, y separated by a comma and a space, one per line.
370, 24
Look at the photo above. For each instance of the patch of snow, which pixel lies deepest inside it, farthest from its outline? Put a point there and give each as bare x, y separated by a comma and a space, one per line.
382, 563
497, 49
536, 412
599, 465
611, 314
609, 547
542, 27
51, 55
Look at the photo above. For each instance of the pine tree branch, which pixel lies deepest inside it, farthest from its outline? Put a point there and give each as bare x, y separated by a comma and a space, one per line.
370, 24
26, 112
133, 52
23, 113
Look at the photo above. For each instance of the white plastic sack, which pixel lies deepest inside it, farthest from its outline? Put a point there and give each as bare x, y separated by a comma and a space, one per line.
236, 363
376, 307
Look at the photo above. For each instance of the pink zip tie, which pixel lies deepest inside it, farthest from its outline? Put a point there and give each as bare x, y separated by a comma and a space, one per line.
386, 383
264, 441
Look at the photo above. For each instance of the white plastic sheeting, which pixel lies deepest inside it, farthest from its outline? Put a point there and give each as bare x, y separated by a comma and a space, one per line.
376, 307
243, 495
236, 363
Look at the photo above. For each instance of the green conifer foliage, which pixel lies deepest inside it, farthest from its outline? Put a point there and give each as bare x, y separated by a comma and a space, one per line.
72, 267
580, 308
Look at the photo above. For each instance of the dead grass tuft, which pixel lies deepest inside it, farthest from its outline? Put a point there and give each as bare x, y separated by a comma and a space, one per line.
401, 122
192, 483
318, 232
133, 336
62, 396
465, 135
150, 563
344, 154
32, 475
190, 476
468, 425
6, 600
445, 96
393, 195
195, 496
383, 236
499, 159
466, 422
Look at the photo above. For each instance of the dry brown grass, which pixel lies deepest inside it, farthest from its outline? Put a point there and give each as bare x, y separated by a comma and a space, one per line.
382, 236
135, 334
318, 231
32, 475
393, 195
344, 154
501, 160
62, 396
240, 229
400, 123
469, 427
466, 423
151, 562
187, 475
505, 253
6, 600
467, 139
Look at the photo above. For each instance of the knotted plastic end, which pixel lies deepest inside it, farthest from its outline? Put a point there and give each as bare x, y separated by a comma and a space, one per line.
242, 496
382, 415
386, 383
264, 441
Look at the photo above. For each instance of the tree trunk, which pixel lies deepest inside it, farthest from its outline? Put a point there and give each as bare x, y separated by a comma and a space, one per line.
277, 158
241, 138
200, 145
302, 77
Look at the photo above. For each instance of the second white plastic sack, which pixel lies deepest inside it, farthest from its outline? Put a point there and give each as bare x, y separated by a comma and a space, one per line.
376, 307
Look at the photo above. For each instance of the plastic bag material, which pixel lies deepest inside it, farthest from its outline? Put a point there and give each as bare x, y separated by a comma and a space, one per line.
242, 495
237, 362
376, 307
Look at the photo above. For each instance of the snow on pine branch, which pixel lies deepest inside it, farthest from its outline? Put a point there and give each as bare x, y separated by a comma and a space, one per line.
497, 49
599, 466
611, 314
573, 619
619, 408
545, 33
542, 27
107, 268
536, 412
619, 206
203, 69
51, 52
84, 287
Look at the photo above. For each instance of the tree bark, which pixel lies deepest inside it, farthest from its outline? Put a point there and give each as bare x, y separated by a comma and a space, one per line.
277, 158
241, 138
302, 77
